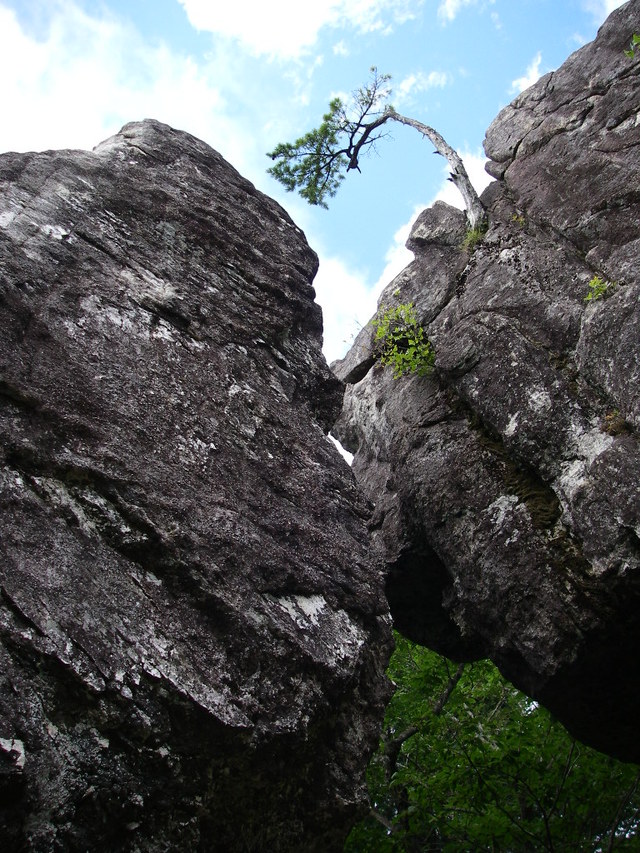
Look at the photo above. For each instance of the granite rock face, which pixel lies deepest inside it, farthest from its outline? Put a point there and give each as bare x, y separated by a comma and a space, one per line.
192, 634
507, 483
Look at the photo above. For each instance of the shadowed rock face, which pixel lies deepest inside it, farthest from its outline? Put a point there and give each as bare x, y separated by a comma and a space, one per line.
507, 483
193, 636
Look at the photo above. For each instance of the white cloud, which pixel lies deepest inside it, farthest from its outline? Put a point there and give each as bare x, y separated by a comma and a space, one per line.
348, 457
610, 5
84, 77
347, 301
531, 75
420, 82
286, 28
448, 9
601, 9
397, 256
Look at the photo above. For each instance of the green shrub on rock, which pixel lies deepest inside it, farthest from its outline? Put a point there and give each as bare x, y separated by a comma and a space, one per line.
598, 288
401, 342
635, 42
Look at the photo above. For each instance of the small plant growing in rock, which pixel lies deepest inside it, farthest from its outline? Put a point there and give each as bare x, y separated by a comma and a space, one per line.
473, 237
635, 43
614, 423
519, 219
598, 289
401, 343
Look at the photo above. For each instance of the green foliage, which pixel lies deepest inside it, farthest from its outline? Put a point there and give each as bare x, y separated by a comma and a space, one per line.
316, 163
310, 163
635, 42
468, 763
401, 343
474, 236
598, 289
519, 219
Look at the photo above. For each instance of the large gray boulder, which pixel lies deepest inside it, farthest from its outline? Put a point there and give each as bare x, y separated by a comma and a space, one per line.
507, 483
192, 634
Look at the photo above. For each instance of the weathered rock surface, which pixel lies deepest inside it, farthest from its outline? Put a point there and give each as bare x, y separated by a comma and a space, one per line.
507, 484
193, 635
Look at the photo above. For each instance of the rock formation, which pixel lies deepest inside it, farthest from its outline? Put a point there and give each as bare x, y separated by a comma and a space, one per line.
507, 483
192, 633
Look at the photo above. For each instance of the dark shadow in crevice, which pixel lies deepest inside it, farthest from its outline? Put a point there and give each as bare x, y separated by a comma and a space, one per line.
420, 592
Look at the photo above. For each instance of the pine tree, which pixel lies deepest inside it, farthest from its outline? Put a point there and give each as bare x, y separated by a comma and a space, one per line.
316, 163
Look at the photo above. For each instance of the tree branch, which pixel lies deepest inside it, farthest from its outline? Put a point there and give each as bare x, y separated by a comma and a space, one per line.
476, 213
448, 690
618, 816
354, 149
388, 825
565, 775
496, 797
393, 746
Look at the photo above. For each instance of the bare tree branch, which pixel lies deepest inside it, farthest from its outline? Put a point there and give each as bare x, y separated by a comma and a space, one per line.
476, 213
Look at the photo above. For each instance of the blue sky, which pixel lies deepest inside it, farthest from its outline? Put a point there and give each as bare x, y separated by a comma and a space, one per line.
246, 74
